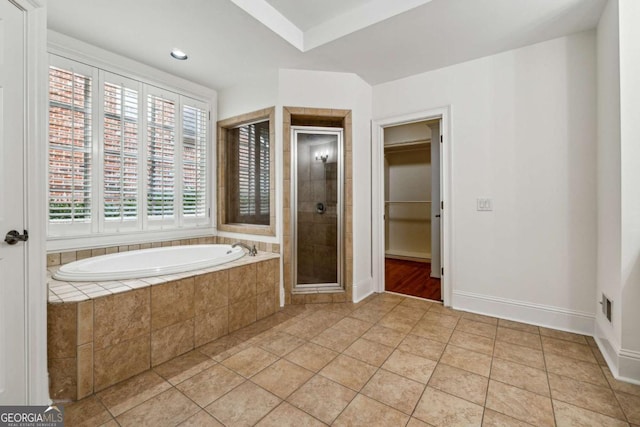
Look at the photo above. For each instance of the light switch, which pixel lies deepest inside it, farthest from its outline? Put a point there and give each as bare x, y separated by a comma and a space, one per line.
484, 204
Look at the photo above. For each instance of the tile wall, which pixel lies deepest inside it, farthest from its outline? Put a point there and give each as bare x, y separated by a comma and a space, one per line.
317, 117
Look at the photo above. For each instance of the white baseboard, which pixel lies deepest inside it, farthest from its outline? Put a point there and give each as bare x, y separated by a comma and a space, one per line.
629, 366
362, 289
522, 311
608, 349
623, 364
408, 254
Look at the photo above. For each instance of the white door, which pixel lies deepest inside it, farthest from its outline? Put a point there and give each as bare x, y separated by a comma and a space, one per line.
12, 257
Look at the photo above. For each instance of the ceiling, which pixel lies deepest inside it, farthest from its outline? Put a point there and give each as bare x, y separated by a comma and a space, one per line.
314, 12
232, 41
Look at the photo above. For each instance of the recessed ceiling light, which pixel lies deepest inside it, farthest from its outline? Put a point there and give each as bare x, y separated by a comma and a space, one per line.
178, 54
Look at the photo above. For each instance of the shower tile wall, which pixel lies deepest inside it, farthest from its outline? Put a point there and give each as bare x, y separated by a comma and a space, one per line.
305, 116
317, 233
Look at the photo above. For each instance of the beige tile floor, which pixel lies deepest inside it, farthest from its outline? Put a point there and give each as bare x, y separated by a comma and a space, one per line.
387, 361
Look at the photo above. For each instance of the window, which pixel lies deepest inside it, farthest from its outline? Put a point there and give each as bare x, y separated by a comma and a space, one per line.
194, 154
246, 156
70, 145
120, 145
248, 148
123, 155
161, 154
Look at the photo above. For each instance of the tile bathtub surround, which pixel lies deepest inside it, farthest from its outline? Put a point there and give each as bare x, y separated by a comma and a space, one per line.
98, 342
60, 291
62, 348
284, 370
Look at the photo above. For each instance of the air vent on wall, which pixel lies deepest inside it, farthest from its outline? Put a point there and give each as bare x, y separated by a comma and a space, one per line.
606, 306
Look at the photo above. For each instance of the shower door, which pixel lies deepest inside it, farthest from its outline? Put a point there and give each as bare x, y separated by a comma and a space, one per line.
316, 208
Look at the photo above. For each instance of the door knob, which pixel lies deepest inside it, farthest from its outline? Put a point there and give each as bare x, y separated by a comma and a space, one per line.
14, 237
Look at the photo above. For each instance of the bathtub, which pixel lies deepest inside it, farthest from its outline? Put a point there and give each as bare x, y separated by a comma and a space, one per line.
147, 263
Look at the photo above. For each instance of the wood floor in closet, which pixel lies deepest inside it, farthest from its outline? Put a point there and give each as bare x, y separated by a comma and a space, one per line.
411, 278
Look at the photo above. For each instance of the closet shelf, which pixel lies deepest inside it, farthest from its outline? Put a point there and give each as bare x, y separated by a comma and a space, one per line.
393, 202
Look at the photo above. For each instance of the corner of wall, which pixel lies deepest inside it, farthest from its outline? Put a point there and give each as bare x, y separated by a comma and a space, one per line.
629, 366
623, 364
607, 343
362, 289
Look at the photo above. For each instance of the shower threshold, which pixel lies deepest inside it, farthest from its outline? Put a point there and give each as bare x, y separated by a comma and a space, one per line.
314, 288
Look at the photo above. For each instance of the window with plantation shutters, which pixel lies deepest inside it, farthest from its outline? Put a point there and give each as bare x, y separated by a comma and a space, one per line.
194, 161
248, 149
120, 147
124, 156
161, 148
246, 167
70, 146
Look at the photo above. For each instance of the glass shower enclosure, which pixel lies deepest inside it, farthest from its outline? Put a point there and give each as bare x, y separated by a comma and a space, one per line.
317, 208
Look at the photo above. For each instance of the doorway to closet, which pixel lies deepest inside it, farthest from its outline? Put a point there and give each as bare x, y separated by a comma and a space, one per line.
412, 209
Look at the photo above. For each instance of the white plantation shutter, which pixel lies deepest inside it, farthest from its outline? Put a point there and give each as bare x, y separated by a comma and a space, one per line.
247, 169
263, 173
194, 160
252, 147
140, 151
161, 148
70, 150
120, 146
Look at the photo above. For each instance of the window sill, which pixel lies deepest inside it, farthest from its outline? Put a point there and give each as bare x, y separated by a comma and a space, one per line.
258, 230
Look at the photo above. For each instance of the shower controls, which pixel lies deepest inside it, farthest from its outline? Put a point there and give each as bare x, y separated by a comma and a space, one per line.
320, 208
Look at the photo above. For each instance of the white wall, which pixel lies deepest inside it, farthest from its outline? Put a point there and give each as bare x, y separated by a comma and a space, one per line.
533, 257
609, 196
630, 194
618, 177
317, 89
258, 93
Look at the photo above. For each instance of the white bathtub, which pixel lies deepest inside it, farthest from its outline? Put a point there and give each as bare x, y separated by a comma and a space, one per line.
147, 262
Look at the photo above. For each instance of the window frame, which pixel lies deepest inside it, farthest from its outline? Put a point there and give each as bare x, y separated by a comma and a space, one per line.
104, 225
149, 222
209, 169
100, 232
86, 227
223, 224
